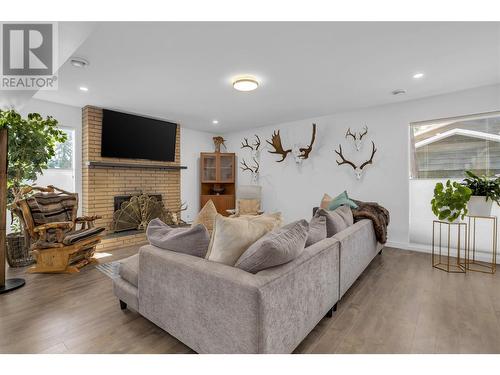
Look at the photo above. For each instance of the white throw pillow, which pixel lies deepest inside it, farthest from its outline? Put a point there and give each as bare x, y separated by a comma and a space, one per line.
232, 236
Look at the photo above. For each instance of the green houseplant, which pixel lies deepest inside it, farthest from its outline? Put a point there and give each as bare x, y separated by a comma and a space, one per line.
31, 144
485, 191
450, 201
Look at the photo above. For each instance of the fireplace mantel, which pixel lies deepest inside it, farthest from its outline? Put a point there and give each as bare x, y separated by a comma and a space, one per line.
106, 164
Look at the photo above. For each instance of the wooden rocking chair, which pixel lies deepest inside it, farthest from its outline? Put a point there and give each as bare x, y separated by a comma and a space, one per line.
49, 220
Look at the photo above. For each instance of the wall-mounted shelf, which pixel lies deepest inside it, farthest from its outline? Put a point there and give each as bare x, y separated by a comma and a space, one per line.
106, 164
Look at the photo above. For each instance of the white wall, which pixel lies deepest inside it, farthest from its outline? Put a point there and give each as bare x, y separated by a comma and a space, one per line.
295, 190
192, 143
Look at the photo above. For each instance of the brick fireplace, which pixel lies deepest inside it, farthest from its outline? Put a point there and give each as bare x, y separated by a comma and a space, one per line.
106, 178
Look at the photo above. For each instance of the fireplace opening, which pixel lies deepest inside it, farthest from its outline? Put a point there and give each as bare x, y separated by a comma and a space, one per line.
134, 212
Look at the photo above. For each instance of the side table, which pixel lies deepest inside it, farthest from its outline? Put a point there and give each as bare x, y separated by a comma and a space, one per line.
471, 263
441, 253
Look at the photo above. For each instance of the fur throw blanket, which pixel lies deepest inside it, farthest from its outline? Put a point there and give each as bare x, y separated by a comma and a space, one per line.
377, 214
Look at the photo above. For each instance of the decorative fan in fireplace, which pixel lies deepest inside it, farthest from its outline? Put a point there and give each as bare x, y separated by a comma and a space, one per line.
137, 213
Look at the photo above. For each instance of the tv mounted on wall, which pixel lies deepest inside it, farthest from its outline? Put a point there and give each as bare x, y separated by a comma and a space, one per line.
135, 137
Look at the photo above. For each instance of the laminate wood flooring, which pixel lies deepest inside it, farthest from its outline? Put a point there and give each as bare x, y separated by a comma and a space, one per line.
400, 304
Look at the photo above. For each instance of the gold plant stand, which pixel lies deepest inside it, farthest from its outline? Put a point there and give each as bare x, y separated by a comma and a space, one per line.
470, 262
441, 257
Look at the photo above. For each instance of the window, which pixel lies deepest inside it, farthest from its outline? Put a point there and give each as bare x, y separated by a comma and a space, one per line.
61, 168
64, 153
446, 148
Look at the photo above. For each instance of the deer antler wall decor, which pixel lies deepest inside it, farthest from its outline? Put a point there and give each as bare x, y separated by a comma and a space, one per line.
254, 170
358, 170
357, 137
299, 153
278, 147
305, 151
254, 146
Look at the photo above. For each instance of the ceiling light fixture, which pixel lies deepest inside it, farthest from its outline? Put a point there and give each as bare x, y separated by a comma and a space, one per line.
215, 122
418, 75
83, 88
247, 83
79, 62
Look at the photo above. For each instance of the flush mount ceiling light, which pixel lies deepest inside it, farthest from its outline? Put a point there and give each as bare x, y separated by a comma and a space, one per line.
79, 62
398, 92
418, 75
83, 88
246, 83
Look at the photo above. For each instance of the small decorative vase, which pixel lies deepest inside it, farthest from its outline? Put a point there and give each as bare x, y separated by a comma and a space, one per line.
479, 206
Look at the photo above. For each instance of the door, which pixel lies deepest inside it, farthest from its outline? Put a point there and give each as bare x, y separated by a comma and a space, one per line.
208, 168
226, 170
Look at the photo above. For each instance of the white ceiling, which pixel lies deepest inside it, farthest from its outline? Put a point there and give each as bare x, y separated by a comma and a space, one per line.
182, 71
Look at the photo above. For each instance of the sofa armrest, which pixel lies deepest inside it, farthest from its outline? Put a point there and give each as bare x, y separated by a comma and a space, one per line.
297, 295
358, 247
211, 307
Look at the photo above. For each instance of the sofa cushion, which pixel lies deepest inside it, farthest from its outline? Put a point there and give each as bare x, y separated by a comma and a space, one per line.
317, 230
232, 236
337, 220
81, 234
277, 247
129, 269
206, 216
193, 241
325, 201
341, 200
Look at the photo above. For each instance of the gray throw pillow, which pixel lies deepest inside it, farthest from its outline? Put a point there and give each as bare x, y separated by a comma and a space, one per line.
337, 220
277, 247
317, 230
192, 241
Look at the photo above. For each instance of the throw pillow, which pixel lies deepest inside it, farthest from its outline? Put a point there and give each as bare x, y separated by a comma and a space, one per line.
325, 201
193, 241
317, 230
341, 200
207, 216
248, 206
275, 248
337, 220
233, 235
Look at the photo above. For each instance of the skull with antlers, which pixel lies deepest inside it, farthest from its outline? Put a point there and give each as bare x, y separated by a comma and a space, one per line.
254, 147
358, 170
254, 170
357, 137
299, 153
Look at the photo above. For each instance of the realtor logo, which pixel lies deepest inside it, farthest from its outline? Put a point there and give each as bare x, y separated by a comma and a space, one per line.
29, 56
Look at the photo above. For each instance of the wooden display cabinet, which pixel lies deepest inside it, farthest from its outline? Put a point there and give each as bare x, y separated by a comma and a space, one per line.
217, 175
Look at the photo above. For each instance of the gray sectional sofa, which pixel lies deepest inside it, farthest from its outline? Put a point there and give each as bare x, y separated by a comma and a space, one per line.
215, 308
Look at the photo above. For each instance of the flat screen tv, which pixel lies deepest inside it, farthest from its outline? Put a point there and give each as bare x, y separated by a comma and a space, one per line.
135, 137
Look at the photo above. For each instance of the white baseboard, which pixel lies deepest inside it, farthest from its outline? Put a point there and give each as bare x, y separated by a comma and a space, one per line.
480, 255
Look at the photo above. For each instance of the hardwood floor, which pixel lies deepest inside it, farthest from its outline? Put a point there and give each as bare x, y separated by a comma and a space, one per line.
399, 305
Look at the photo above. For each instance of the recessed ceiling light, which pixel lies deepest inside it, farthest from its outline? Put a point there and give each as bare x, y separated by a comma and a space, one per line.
246, 83
398, 92
79, 62
215, 122
418, 75
83, 88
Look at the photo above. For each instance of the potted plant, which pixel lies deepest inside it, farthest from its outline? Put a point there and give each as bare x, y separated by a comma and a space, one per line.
485, 191
450, 201
32, 143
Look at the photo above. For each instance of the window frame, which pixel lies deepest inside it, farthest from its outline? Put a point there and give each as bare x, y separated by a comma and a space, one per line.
412, 161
